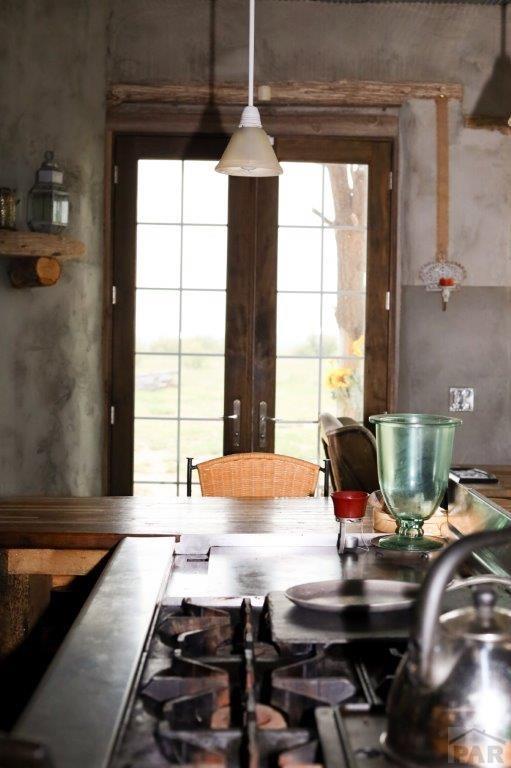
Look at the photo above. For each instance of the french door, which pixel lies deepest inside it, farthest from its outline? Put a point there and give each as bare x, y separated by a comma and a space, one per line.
244, 307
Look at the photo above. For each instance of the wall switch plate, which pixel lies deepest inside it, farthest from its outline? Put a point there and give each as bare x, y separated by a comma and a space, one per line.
461, 399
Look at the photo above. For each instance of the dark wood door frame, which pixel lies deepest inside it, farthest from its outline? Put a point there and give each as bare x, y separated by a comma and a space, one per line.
379, 154
251, 310
126, 152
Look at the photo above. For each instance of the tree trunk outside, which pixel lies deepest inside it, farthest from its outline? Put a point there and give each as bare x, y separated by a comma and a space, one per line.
349, 193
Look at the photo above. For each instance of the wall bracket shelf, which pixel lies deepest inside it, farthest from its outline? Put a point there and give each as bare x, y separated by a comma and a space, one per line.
35, 256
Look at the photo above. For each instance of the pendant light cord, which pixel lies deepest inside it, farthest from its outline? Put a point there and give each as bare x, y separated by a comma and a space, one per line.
250, 152
251, 54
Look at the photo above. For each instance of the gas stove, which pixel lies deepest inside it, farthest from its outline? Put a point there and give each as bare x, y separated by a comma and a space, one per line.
189, 653
219, 688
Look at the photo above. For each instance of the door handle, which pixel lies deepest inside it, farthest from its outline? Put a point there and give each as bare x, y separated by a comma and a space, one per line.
263, 421
235, 418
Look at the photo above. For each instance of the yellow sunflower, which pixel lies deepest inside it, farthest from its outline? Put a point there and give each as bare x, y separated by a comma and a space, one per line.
339, 378
357, 346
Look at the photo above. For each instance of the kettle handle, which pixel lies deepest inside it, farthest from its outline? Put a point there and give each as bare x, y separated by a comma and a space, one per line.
479, 581
432, 590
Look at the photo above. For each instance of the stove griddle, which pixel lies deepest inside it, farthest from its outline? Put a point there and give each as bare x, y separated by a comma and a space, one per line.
294, 626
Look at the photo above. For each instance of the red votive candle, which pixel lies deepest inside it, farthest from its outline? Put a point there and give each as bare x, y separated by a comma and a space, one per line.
349, 505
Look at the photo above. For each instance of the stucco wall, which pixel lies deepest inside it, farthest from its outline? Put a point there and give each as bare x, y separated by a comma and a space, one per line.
304, 40
52, 61
469, 344
53, 81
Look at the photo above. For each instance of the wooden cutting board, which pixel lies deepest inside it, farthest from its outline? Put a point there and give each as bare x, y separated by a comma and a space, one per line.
435, 526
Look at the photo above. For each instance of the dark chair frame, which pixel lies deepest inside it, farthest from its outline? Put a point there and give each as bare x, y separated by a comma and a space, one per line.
341, 464
190, 467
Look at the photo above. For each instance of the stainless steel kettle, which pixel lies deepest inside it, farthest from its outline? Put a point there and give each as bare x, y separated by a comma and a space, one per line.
450, 702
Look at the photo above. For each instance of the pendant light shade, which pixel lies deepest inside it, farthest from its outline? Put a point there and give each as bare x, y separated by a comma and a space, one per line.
249, 151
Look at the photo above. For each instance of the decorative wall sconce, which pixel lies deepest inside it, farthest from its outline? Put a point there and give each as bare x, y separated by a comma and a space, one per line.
48, 200
442, 275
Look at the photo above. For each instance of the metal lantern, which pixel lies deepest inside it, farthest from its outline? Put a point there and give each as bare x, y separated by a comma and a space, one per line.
48, 200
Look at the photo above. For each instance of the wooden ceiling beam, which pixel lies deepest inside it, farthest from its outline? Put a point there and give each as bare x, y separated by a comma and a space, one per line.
362, 93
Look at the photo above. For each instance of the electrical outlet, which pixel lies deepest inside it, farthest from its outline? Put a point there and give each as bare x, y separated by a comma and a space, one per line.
461, 399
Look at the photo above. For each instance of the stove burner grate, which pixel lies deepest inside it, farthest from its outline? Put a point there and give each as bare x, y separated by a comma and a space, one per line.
214, 693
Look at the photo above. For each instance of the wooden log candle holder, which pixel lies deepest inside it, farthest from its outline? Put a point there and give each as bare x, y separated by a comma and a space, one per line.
40, 271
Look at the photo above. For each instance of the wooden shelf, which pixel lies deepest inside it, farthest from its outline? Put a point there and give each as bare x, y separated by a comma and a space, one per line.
481, 122
35, 256
36, 244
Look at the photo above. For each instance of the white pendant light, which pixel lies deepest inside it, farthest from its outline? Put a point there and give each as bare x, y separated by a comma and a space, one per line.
249, 151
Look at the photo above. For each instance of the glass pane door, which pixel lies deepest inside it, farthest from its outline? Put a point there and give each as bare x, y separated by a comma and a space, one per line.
321, 300
181, 256
241, 303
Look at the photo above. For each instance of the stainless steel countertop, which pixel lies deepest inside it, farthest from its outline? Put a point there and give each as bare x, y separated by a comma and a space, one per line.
201, 544
78, 707
234, 566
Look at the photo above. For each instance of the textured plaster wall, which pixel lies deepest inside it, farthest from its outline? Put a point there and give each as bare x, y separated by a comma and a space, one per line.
52, 61
480, 192
467, 345
470, 343
304, 40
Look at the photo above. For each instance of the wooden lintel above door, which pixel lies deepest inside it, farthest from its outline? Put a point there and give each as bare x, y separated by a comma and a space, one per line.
361, 93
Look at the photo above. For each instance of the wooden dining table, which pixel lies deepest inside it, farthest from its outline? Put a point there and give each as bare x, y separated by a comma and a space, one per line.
46, 542
87, 523
499, 491
91, 523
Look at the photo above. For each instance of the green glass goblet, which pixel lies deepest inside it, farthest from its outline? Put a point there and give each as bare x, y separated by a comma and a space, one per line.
414, 458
